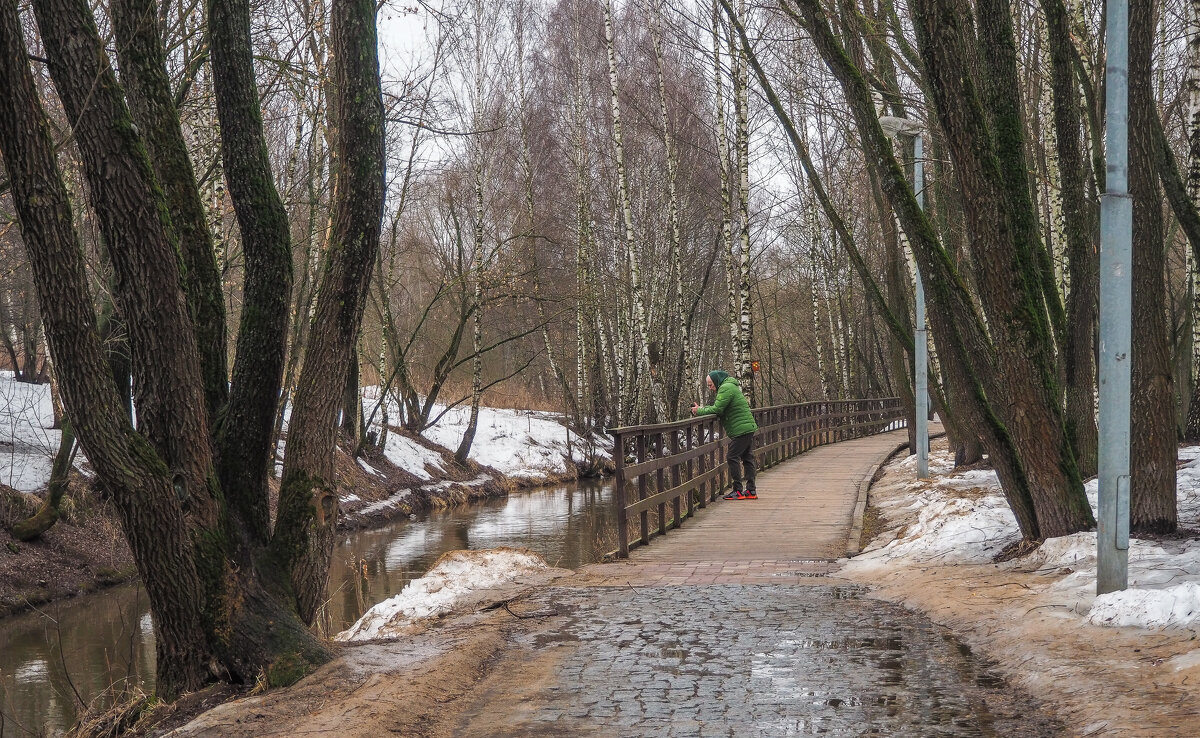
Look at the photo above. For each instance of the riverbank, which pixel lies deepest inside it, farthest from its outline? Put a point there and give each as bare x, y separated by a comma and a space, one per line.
83, 552
86, 551
412, 473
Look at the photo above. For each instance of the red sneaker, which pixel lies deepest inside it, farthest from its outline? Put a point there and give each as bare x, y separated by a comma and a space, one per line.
750, 495
735, 494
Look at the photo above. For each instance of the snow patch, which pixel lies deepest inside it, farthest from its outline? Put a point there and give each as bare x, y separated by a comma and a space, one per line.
387, 504
411, 456
1185, 661
962, 518
27, 440
1172, 607
362, 463
458, 578
516, 443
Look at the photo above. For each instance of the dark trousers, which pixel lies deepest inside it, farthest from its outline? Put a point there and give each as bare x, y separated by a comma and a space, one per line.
741, 455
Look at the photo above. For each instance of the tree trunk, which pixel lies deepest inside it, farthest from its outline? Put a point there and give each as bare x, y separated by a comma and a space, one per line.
1192, 85
635, 265
144, 77
1082, 230
246, 432
212, 616
352, 412
123, 195
151, 511
745, 323
679, 319
114, 337
463, 452
308, 504
464, 446
1152, 450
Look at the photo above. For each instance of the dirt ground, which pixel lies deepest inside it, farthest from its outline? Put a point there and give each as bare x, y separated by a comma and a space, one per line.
409, 687
83, 552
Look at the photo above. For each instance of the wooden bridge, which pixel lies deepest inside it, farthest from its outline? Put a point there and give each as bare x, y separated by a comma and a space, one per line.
665, 472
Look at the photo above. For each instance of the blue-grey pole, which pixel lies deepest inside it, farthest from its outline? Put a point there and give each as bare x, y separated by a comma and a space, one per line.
1116, 288
921, 358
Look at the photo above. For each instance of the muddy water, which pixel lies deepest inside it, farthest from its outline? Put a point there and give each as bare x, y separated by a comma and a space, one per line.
82, 646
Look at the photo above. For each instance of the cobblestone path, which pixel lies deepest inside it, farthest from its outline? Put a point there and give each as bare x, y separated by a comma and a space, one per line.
732, 627
740, 660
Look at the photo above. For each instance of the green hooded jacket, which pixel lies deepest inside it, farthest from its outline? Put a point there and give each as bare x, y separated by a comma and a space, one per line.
730, 406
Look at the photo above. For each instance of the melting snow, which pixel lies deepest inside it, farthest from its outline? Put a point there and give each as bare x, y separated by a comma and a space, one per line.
370, 469
962, 518
517, 443
411, 456
27, 442
1148, 608
459, 577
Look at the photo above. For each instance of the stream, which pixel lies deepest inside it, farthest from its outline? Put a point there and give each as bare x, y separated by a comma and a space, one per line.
72, 650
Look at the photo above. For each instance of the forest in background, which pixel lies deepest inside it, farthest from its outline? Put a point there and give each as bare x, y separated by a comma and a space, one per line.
505, 203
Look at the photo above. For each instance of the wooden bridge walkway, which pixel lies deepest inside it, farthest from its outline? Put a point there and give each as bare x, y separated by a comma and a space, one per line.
807, 508
808, 514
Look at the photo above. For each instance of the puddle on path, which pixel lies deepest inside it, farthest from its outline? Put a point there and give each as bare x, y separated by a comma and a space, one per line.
749, 660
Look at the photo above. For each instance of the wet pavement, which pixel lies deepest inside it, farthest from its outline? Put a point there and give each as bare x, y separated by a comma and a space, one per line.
740, 660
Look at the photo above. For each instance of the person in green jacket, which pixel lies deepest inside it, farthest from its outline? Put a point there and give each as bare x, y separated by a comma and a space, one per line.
731, 407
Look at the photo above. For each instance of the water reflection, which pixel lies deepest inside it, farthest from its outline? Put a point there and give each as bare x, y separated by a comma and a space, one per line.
106, 639
567, 525
109, 639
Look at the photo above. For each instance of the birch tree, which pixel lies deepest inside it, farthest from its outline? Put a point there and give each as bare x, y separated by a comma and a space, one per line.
629, 242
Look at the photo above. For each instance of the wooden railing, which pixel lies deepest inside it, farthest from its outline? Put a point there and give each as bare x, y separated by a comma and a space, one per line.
682, 464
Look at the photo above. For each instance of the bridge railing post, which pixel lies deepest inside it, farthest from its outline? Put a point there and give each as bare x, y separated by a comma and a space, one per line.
644, 515
660, 483
724, 462
694, 491
675, 477
776, 436
619, 494
793, 429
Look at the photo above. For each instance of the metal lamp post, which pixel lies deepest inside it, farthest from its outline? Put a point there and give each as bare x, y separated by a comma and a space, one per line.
1116, 291
895, 126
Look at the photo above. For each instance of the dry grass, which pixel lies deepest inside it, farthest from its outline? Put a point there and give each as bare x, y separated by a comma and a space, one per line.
873, 524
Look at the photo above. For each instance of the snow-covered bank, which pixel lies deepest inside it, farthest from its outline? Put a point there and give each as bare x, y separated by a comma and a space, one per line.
27, 440
962, 518
526, 446
511, 448
459, 580
1123, 664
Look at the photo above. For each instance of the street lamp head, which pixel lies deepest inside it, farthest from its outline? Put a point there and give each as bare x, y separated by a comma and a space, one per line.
895, 126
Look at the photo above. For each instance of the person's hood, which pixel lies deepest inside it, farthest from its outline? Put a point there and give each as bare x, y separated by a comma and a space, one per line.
718, 376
